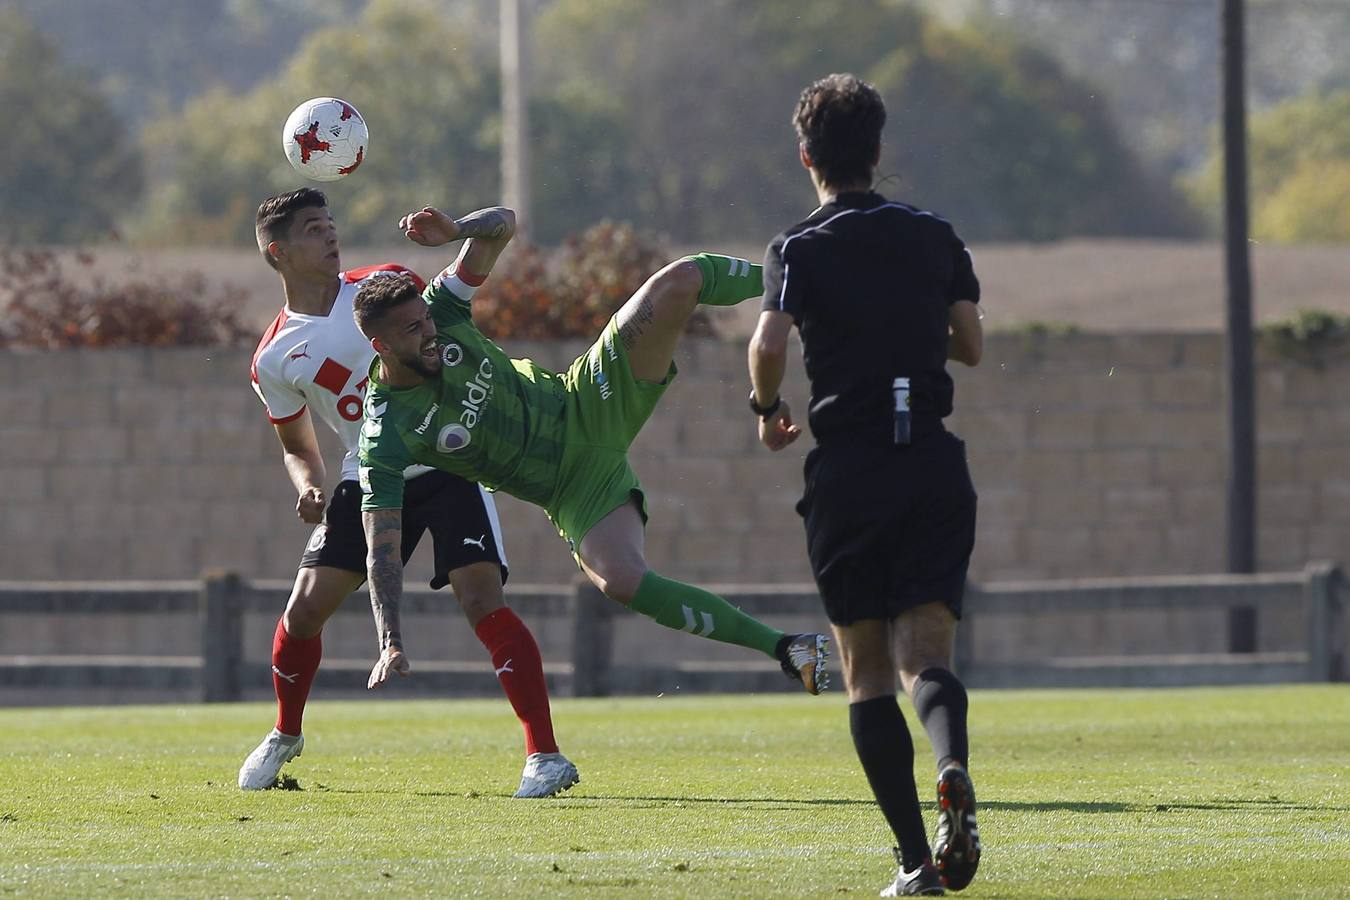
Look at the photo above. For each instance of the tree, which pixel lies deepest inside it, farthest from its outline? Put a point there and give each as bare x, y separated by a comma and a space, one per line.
991, 131
68, 170
423, 81
1300, 171
982, 126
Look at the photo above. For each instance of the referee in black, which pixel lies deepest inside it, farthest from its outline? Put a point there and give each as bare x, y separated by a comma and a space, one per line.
883, 294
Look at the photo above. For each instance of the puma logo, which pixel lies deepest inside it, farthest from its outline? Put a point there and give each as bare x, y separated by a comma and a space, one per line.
480, 543
302, 353
290, 678
506, 667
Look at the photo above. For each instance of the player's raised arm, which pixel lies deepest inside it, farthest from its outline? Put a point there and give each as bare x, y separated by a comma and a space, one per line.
486, 232
384, 572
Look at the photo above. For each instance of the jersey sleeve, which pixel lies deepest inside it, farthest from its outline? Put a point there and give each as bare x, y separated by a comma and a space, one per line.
964, 286
382, 457
450, 294
784, 289
281, 399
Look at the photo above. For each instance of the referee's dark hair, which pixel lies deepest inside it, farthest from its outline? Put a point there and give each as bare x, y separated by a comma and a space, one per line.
839, 120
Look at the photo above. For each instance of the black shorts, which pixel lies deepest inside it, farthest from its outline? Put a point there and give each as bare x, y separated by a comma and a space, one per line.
889, 528
460, 515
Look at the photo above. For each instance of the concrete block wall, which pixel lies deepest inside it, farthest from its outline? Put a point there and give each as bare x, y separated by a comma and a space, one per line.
1093, 455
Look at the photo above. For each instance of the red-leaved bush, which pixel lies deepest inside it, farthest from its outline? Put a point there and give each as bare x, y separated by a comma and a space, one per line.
571, 291
44, 305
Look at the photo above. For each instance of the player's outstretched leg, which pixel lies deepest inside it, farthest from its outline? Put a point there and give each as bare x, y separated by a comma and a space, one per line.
297, 647
612, 556
652, 320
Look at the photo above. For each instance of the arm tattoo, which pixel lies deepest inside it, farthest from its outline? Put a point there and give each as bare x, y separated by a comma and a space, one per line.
384, 570
490, 224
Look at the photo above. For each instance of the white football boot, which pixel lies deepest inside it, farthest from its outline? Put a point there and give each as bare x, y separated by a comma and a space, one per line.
263, 765
546, 774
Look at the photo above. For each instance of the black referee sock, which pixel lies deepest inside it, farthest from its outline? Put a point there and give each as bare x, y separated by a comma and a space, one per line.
940, 700
887, 755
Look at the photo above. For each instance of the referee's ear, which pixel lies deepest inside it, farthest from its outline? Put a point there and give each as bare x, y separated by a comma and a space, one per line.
804, 157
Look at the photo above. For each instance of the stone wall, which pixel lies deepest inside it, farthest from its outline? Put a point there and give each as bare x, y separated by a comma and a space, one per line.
1092, 454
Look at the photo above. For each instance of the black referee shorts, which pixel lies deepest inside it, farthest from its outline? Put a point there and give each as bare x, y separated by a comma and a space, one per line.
459, 514
889, 528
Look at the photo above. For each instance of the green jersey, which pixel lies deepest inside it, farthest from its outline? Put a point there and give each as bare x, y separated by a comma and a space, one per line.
485, 417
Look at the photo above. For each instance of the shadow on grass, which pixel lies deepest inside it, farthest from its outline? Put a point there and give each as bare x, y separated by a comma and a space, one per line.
1271, 804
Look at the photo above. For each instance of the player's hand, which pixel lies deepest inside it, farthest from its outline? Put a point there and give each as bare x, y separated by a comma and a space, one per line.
391, 660
429, 227
310, 505
777, 431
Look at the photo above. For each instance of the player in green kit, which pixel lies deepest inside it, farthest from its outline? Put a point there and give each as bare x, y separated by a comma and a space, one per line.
444, 395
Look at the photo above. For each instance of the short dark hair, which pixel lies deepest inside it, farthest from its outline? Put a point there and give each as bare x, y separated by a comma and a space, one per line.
839, 120
275, 215
379, 295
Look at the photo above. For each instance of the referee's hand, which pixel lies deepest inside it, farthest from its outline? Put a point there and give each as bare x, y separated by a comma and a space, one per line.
777, 431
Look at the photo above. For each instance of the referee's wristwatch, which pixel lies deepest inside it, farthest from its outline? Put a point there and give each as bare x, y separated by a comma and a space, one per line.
765, 411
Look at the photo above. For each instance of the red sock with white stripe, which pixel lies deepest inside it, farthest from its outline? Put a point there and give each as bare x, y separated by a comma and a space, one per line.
520, 669
294, 662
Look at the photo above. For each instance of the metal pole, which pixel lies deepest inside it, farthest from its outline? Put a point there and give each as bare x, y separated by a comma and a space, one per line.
1241, 495
515, 112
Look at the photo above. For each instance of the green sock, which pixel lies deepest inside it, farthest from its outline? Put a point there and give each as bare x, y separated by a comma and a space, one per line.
687, 608
728, 280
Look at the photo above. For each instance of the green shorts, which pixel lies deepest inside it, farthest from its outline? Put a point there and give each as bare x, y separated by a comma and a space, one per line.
605, 409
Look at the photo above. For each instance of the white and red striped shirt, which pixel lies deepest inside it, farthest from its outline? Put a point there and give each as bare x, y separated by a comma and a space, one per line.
321, 363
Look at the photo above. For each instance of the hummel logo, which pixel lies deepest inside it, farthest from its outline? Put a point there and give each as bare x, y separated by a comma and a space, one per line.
506, 667
480, 543
302, 353
692, 625
738, 268
281, 674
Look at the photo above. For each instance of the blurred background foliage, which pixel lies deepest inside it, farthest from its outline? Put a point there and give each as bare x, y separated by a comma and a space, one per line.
68, 168
1299, 153
1019, 119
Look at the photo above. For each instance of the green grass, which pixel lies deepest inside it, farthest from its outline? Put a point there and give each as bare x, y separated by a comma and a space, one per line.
1180, 793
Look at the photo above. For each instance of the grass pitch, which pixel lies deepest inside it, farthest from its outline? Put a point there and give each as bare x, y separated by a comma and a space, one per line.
1178, 793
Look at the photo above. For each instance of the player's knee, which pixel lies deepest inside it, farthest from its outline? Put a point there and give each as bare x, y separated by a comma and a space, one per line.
618, 582
680, 280
305, 616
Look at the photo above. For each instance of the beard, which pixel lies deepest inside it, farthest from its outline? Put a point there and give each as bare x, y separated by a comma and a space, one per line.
427, 368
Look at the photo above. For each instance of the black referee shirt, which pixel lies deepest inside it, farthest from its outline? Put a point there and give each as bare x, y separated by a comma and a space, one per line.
869, 283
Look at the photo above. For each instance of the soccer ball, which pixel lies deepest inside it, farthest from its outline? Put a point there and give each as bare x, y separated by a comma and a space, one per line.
325, 139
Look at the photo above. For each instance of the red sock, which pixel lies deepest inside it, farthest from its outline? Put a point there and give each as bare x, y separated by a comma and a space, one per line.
520, 669
294, 662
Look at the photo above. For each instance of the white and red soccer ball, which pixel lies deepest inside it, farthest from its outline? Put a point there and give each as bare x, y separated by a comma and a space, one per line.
325, 139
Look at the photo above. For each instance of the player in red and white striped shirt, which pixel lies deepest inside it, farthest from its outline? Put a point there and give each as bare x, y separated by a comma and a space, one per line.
312, 363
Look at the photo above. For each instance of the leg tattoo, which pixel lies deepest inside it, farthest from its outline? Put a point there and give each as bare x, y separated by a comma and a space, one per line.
634, 321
